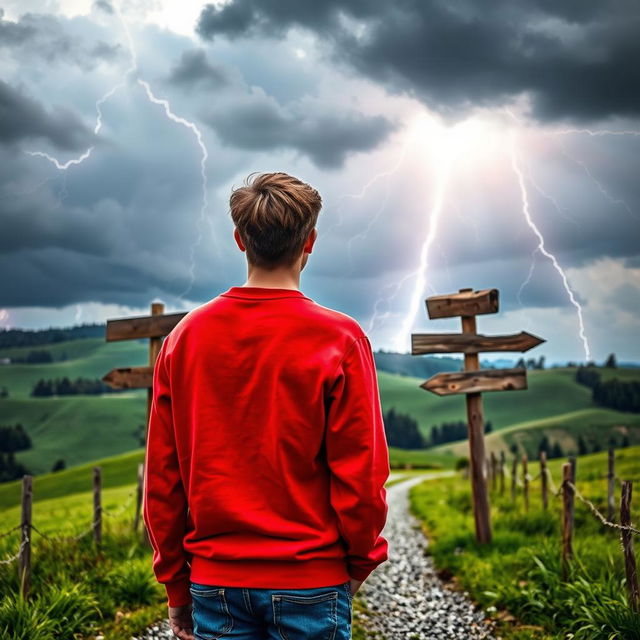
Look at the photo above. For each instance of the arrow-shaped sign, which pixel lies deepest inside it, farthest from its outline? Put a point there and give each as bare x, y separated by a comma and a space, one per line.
130, 378
444, 384
471, 343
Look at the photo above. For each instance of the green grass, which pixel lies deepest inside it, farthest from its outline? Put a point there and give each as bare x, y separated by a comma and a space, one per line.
424, 458
519, 572
118, 472
76, 428
88, 358
117, 595
595, 424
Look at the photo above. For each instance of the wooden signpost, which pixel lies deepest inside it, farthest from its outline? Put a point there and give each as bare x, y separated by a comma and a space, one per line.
155, 327
467, 304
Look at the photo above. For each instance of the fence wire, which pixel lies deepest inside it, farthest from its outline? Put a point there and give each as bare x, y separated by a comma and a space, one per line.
597, 513
11, 559
52, 535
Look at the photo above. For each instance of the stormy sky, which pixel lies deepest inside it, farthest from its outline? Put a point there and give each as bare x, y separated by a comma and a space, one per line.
455, 144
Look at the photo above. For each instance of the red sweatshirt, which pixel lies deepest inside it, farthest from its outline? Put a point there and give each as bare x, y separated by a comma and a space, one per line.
266, 454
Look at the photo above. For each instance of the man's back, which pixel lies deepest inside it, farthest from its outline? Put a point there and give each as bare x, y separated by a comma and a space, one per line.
267, 425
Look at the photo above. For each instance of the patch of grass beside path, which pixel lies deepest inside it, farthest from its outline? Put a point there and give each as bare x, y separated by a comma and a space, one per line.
79, 592
518, 575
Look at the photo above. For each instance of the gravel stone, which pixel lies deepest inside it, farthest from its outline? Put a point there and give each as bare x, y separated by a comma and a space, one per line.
404, 595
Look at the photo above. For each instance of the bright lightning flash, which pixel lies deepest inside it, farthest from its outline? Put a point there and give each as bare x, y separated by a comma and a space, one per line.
515, 165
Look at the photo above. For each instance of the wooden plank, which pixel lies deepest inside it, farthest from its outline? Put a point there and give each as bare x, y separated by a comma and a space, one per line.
471, 342
465, 303
475, 433
130, 378
444, 384
154, 326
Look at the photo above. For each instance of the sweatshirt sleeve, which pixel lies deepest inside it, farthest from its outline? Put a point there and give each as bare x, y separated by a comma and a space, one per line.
358, 459
165, 503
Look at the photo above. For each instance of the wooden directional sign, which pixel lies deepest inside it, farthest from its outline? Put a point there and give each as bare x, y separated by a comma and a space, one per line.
469, 343
445, 384
155, 327
473, 381
465, 303
130, 378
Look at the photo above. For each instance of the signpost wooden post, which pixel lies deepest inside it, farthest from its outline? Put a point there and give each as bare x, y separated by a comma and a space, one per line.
467, 304
155, 327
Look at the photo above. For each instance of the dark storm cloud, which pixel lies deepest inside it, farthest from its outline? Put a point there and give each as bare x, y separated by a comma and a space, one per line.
260, 123
45, 36
22, 117
576, 60
194, 69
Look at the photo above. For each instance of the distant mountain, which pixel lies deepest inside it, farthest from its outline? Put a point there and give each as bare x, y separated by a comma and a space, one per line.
35, 337
405, 364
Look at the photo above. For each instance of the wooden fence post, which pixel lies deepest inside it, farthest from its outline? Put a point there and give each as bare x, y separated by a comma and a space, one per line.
24, 559
525, 481
97, 505
627, 546
611, 484
544, 481
572, 461
514, 471
494, 471
136, 520
502, 472
567, 519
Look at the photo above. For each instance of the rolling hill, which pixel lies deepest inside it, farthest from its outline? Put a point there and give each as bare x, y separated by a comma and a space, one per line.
79, 429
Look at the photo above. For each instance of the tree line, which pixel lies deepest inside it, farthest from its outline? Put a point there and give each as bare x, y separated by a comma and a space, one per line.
614, 394
452, 431
14, 438
35, 337
531, 363
402, 431
66, 387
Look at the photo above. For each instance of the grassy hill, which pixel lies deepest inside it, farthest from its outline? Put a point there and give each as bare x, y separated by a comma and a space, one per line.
83, 428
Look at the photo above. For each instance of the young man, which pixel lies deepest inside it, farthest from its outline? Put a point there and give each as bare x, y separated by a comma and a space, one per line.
266, 455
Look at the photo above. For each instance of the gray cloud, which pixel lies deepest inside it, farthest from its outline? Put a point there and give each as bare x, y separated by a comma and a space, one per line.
22, 117
257, 122
54, 39
575, 60
194, 70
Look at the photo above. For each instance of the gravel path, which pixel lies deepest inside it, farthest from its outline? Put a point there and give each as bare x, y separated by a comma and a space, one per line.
405, 598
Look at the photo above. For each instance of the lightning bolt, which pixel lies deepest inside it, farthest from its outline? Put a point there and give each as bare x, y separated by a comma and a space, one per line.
203, 173
4, 317
596, 132
168, 111
515, 165
443, 177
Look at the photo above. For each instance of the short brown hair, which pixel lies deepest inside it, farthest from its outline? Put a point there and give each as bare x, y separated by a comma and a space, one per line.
274, 214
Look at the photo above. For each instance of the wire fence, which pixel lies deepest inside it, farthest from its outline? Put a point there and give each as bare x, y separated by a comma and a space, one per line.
55, 535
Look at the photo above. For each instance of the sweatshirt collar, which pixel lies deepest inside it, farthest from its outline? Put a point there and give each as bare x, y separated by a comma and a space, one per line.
263, 293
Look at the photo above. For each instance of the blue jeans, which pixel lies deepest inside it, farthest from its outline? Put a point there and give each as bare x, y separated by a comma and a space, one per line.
319, 613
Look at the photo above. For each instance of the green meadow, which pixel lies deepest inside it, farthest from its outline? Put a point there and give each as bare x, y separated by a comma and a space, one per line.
517, 577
